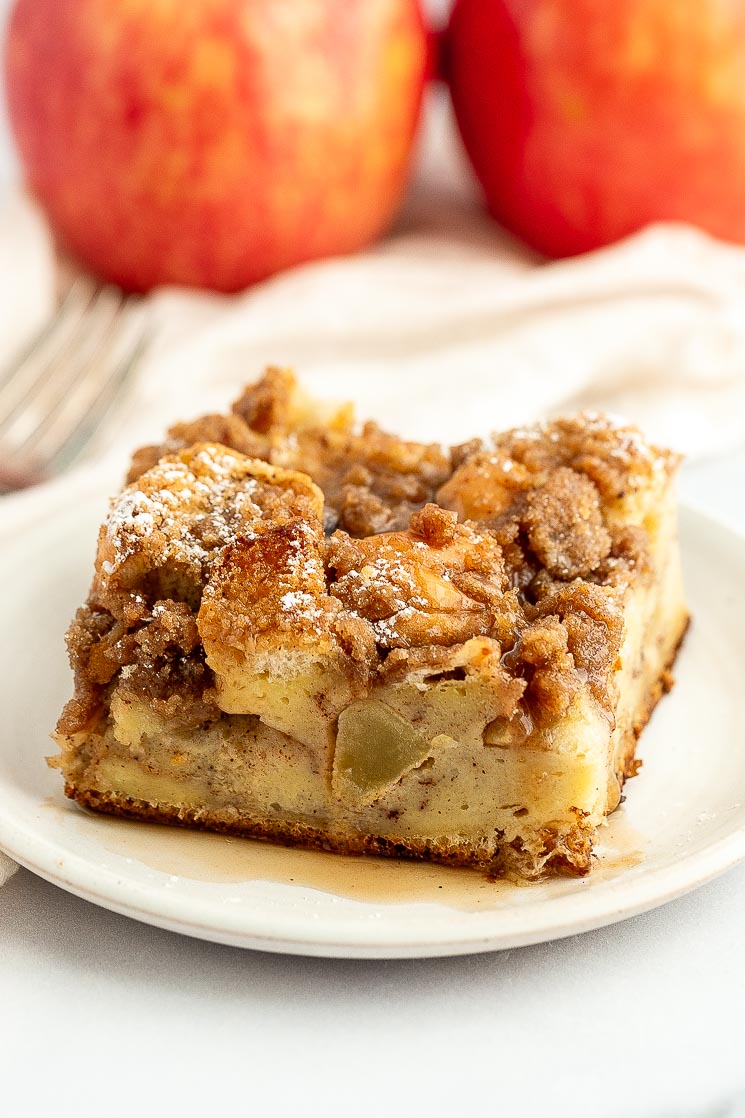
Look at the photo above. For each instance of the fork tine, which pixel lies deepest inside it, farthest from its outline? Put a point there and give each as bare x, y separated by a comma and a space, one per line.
19, 376
57, 382
57, 377
56, 394
99, 384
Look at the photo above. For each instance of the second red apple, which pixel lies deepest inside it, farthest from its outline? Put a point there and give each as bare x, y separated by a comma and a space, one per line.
585, 121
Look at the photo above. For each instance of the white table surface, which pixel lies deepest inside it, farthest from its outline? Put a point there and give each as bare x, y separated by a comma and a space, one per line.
100, 1013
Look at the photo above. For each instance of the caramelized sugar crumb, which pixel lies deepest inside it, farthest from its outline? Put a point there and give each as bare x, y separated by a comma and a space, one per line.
88, 638
628, 558
372, 481
172, 629
161, 658
491, 481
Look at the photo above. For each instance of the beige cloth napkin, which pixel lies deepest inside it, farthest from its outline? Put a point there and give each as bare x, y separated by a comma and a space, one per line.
444, 330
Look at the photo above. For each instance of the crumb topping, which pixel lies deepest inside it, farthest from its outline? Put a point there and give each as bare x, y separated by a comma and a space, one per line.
274, 524
372, 481
490, 478
442, 589
564, 525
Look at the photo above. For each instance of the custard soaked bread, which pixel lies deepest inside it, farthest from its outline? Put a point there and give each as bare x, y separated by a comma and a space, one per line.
320, 634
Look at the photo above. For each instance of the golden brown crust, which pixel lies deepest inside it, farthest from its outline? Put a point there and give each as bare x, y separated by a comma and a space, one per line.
566, 853
272, 583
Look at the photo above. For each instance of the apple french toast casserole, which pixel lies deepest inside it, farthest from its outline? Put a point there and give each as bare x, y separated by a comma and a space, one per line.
314, 632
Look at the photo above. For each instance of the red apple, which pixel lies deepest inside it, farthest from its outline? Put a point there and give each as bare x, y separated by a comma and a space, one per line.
214, 142
586, 120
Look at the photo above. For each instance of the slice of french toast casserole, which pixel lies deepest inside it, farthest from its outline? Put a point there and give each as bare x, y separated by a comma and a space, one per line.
313, 632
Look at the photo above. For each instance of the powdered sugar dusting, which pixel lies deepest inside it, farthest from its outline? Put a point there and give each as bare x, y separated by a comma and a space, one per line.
304, 568
183, 510
300, 601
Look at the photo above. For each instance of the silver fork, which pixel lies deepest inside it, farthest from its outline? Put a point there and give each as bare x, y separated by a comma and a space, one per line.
55, 395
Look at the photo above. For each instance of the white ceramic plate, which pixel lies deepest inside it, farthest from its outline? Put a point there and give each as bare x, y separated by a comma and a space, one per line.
683, 822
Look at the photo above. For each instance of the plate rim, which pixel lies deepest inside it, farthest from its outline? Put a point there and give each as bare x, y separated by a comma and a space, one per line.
648, 893
102, 885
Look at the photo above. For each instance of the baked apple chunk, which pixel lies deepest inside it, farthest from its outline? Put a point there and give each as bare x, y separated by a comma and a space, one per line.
323, 635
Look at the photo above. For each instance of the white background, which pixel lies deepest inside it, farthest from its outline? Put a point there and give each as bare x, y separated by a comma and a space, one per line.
101, 1014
